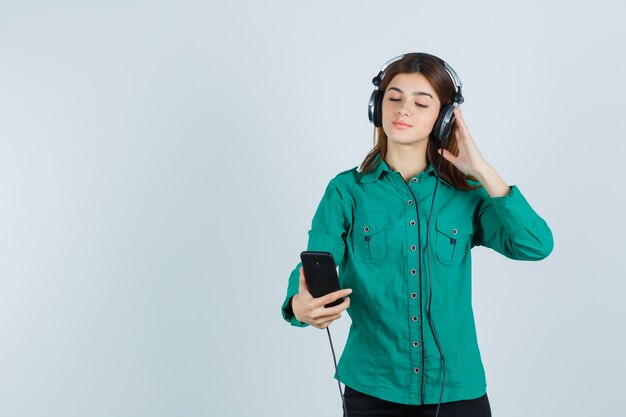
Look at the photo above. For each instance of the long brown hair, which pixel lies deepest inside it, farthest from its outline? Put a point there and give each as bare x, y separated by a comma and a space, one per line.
436, 74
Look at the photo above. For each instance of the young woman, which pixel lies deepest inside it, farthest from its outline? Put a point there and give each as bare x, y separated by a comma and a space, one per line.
400, 229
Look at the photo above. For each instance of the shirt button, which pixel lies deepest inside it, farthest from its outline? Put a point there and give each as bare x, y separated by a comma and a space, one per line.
416, 343
413, 247
366, 229
454, 231
415, 179
409, 202
416, 370
414, 318
413, 272
413, 295
412, 222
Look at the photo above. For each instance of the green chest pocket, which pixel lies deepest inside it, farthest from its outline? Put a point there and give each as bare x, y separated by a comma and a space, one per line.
369, 237
453, 239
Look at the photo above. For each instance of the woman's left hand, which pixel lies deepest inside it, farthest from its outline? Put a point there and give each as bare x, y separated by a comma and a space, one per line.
469, 160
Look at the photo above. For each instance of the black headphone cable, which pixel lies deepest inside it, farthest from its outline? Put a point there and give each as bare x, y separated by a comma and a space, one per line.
343, 400
430, 282
432, 327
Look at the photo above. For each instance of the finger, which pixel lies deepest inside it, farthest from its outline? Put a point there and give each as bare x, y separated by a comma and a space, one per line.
323, 319
460, 124
336, 309
458, 115
303, 287
448, 156
330, 297
323, 313
325, 323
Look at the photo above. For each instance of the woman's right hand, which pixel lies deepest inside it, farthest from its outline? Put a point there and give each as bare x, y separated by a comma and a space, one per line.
312, 311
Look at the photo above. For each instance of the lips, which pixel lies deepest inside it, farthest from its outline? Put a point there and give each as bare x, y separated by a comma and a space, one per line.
401, 125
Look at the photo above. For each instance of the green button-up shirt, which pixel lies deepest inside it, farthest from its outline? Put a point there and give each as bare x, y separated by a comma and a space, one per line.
375, 225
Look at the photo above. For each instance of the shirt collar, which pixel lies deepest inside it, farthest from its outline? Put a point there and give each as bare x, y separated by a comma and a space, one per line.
373, 175
382, 166
431, 171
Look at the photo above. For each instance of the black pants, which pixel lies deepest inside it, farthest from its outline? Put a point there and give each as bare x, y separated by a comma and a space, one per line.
360, 405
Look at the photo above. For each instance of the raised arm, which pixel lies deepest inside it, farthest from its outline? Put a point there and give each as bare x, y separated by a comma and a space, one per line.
505, 221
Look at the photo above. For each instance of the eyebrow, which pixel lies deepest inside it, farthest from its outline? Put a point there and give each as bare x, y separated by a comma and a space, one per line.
415, 93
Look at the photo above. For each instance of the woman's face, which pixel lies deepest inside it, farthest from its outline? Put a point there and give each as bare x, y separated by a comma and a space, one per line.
410, 108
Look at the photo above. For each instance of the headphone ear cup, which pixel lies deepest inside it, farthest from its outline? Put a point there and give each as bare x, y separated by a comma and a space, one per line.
374, 109
371, 105
378, 109
444, 122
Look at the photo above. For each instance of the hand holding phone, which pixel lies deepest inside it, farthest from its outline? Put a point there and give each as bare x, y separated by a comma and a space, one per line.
320, 300
321, 274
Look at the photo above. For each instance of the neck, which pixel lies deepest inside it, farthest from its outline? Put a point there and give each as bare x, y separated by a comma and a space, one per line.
409, 160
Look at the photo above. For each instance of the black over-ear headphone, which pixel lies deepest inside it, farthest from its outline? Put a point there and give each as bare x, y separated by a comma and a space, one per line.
445, 120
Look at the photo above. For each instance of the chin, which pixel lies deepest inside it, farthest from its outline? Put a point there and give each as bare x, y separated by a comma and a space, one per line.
405, 140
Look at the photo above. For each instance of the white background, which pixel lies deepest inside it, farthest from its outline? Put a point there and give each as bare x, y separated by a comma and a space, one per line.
160, 164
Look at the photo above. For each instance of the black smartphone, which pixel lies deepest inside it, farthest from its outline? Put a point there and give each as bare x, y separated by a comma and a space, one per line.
321, 274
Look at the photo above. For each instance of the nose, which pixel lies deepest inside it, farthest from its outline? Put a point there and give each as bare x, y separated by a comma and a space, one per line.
402, 109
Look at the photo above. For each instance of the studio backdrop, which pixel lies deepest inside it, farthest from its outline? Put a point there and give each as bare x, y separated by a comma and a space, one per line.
160, 164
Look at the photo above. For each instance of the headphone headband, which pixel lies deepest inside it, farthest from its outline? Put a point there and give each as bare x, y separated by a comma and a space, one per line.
381, 73
457, 82
458, 85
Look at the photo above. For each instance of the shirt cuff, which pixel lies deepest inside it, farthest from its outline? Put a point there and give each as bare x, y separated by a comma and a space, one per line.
292, 289
289, 316
513, 210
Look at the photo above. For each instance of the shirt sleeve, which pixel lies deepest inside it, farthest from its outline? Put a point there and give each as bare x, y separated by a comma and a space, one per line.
328, 232
510, 226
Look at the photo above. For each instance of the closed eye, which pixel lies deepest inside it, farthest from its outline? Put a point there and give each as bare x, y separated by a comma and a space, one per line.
417, 104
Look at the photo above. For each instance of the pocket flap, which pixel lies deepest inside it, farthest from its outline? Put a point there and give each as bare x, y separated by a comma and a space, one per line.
454, 227
371, 224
